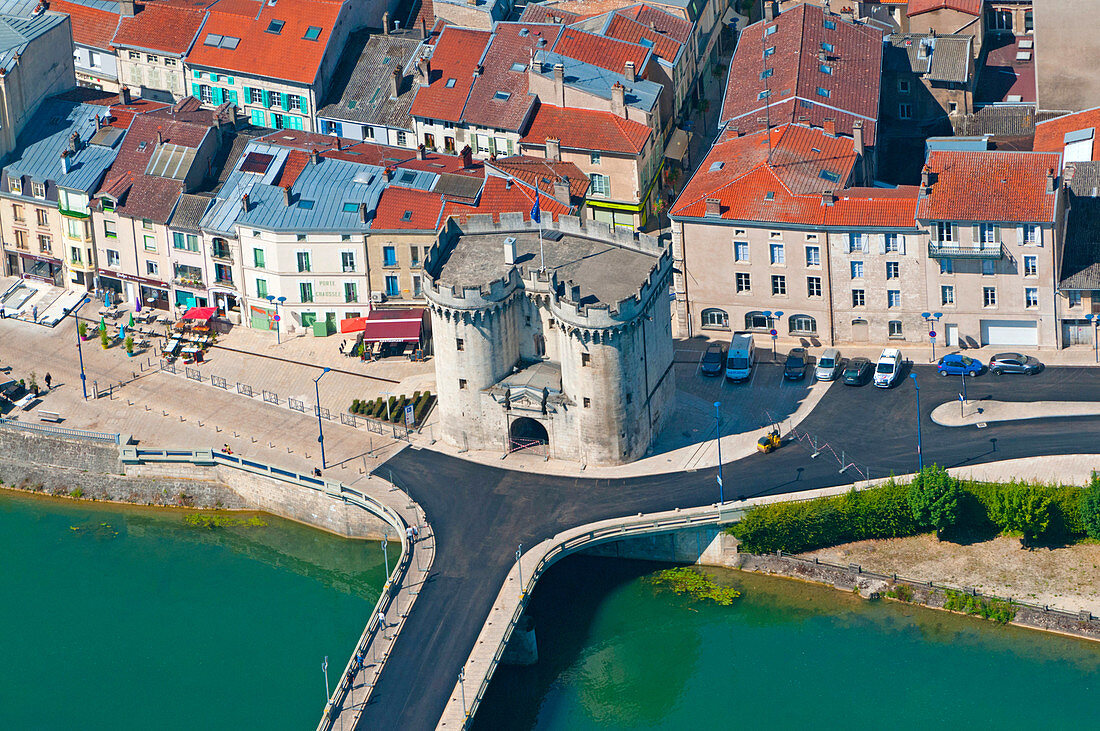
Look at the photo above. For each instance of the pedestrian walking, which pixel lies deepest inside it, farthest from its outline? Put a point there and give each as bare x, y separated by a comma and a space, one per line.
3, 313
416, 532
49, 380
381, 619
409, 535
34, 312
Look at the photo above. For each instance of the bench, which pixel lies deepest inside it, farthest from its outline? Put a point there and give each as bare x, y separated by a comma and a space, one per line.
26, 401
53, 416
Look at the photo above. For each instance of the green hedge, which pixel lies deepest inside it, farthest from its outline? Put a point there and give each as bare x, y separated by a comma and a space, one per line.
884, 512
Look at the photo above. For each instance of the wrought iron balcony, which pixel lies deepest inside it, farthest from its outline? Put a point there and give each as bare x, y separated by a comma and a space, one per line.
947, 250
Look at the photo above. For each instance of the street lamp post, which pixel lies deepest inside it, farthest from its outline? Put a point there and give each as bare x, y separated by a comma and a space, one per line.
276, 301
79, 352
385, 553
718, 432
920, 456
320, 431
1095, 321
324, 669
519, 568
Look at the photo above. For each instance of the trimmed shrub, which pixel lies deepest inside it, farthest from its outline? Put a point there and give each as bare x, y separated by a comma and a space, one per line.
356, 404
934, 499
423, 406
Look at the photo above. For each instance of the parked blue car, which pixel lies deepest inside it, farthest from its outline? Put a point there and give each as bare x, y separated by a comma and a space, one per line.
957, 364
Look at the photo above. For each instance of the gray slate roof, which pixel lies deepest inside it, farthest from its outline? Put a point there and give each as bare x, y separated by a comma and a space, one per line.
363, 82
949, 60
641, 94
38, 153
189, 211
1081, 252
17, 32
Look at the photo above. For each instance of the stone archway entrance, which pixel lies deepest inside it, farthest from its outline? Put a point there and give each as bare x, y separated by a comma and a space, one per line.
528, 435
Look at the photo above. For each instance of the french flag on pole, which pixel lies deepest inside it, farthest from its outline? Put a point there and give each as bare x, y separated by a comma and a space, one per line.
536, 214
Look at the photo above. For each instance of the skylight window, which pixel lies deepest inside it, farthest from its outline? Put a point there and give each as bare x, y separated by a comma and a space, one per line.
830, 25
212, 39
275, 26
828, 47
350, 207
307, 205
770, 29
769, 51
764, 94
766, 73
716, 166
829, 175
230, 42
645, 42
312, 33
821, 91
826, 69
770, 195
451, 83
518, 66
502, 96
408, 216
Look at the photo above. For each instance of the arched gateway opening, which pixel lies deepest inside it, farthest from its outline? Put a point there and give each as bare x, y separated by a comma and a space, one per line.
526, 433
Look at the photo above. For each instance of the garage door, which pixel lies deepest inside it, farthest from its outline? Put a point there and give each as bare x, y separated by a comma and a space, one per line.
1010, 332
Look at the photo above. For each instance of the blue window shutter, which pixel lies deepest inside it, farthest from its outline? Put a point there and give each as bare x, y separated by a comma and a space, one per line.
284, 102
247, 95
195, 91
266, 95
216, 94
229, 80
232, 96
214, 77
305, 104
258, 117
197, 74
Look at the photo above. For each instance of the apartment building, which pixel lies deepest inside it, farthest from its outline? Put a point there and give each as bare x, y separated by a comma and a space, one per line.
152, 40
274, 61
94, 58
927, 82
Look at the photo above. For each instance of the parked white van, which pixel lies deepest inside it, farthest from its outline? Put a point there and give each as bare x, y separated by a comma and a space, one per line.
740, 357
888, 368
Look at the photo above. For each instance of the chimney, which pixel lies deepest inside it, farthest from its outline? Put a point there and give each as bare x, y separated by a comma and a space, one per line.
160, 138
653, 26
821, 56
829, 126
553, 149
286, 196
74, 142
244, 202
98, 122
1051, 179
314, 158
64, 162
925, 180
574, 291
126, 8
362, 213
561, 190
714, 207
388, 173
559, 85
423, 71
507, 183
857, 136
510, 250
629, 71
769, 10
467, 157
618, 100
124, 95
395, 82
423, 28
420, 152
827, 198
385, 23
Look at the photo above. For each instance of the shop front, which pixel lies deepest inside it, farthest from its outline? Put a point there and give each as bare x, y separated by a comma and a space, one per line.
228, 305
130, 289
43, 269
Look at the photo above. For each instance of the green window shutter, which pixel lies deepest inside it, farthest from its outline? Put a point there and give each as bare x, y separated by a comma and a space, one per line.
267, 98
195, 91
305, 104
197, 74
214, 77
284, 102
216, 93
258, 117
229, 80
232, 95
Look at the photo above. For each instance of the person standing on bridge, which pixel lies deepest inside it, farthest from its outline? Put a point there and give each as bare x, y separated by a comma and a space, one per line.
409, 534
381, 619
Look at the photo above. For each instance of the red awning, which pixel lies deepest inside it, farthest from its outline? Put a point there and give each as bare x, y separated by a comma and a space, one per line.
352, 324
392, 331
200, 313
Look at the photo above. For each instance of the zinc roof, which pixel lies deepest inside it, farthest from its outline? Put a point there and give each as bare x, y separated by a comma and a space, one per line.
16, 33
363, 82
38, 152
641, 94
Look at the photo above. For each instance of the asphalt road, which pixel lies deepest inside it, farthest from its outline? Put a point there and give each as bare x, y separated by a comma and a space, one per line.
481, 513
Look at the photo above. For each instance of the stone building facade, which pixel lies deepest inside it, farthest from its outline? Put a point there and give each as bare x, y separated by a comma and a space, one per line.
567, 344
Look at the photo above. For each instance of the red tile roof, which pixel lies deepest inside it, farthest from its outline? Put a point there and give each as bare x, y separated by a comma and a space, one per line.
164, 27
91, 26
607, 53
1050, 135
370, 153
456, 56
287, 54
970, 7
586, 129
295, 163
589, 8
679, 29
787, 182
542, 13
537, 171
503, 196
624, 28
796, 76
511, 45
405, 208
989, 186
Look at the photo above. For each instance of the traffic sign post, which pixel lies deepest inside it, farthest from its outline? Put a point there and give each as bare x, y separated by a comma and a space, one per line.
932, 339
775, 336
409, 418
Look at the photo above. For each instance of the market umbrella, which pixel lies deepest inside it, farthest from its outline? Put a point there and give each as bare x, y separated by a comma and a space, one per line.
106, 298
102, 325
131, 325
122, 332
137, 302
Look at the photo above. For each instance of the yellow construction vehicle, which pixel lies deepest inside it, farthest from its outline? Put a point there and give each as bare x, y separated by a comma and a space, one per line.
769, 442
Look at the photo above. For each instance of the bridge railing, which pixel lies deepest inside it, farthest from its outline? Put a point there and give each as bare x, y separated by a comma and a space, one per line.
60, 431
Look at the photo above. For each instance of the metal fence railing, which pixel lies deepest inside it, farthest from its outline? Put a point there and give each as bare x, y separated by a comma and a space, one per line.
60, 431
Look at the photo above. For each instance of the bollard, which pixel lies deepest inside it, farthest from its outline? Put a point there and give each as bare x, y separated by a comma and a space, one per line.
217, 428
253, 439
147, 407
200, 423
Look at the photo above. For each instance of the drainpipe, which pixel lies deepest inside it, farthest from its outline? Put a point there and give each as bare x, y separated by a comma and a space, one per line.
829, 277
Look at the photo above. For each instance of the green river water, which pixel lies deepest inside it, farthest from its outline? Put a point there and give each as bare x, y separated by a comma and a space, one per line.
617, 654
120, 618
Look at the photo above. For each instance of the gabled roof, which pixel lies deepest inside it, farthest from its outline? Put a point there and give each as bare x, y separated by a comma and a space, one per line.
660, 20
454, 61
943, 58
1081, 242
1052, 135
540, 172
407, 209
189, 210
17, 32
970, 7
92, 27
989, 186
37, 155
602, 51
625, 28
543, 13
162, 27
499, 97
781, 74
599, 80
586, 129
362, 82
501, 195
287, 39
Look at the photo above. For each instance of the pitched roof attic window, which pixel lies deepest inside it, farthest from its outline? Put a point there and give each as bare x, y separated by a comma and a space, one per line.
764, 94
826, 69
716, 165
823, 92
769, 196
770, 29
830, 25
350, 207
407, 216
519, 66
212, 39
275, 26
451, 83
307, 205
645, 42
502, 96
766, 73
769, 51
828, 47
829, 175
312, 33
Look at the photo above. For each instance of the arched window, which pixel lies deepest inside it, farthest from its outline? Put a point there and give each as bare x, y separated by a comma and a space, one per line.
715, 319
802, 325
895, 329
757, 321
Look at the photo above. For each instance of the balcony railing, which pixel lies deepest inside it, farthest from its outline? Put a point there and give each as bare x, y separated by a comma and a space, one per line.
222, 254
189, 282
947, 250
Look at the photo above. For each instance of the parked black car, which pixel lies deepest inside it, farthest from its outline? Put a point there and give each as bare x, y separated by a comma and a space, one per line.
714, 360
795, 367
856, 372
1014, 363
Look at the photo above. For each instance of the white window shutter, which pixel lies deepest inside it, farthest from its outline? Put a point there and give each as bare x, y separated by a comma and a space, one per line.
865, 240
977, 233
881, 243
955, 233
1039, 235
901, 244
1019, 235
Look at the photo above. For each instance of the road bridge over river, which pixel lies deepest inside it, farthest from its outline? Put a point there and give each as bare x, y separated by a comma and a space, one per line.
480, 514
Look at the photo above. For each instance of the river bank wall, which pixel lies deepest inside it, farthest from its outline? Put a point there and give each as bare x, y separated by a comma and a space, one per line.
56, 465
712, 546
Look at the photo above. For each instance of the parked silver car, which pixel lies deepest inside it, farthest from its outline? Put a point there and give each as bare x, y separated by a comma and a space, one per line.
828, 365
